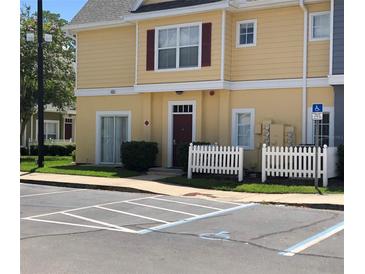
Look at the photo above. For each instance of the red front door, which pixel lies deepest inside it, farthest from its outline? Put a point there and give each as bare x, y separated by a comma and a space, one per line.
182, 132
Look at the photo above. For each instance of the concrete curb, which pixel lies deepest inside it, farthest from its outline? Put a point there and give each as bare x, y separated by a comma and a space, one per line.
324, 206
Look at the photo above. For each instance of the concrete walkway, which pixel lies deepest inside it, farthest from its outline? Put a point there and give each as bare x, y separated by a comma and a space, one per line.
146, 183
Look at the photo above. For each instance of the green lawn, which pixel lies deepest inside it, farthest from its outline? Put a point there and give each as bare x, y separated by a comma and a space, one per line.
64, 165
221, 184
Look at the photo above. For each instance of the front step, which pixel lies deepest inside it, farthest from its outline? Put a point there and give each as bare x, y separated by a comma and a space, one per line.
165, 171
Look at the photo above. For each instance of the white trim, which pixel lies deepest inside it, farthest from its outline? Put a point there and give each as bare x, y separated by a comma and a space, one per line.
170, 105
177, 47
331, 111
331, 37
238, 33
207, 85
336, 79
105, 91
223, 45
99, 115
311, 15
234, 131
57, 122
239, 5
76, 58
96, 25
177, 11
137, 47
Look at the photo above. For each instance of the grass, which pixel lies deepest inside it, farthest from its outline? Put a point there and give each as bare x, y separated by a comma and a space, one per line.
64, 165
231, 185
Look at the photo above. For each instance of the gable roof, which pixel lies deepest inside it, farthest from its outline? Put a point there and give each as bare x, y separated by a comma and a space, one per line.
102, 11
171, 5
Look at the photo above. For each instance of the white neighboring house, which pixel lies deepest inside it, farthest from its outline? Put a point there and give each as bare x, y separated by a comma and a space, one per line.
59, 126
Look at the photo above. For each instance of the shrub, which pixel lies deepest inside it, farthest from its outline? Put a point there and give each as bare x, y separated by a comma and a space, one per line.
73, 153
340, 161
23, 151
54, 150
138, 156
182, 154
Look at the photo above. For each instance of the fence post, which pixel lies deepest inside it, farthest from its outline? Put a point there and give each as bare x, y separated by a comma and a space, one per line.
263, 165
189, 161
240, 165
325, 175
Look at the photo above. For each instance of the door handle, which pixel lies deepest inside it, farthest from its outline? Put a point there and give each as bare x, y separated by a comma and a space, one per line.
174, 142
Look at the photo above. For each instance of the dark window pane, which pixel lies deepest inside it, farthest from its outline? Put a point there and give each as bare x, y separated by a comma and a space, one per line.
189, 57
325, 130
167, 58
186, 108
249, 38
175, 108
190, 108
180, 108
243, 39
326, 118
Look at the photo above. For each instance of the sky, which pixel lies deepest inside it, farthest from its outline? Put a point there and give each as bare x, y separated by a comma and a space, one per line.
67, 8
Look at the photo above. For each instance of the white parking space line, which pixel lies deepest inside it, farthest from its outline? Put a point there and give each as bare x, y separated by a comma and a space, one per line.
200, 217
49, 193
315, 239
161, 208
132, 214
100, 222
86, 207
71, 224
178, 202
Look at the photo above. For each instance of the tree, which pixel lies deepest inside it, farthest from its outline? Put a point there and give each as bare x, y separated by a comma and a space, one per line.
59, 57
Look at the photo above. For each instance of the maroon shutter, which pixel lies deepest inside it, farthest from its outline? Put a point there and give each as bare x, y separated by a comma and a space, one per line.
206, 44
150, 62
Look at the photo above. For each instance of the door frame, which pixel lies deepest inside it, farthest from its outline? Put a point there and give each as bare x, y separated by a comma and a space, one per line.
170, 119
99, 115
64, 127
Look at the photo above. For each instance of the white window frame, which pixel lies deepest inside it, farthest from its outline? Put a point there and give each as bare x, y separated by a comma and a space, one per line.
234, 138
313, 14
310, 133
157, 29
57, 122
238, 33
99, 115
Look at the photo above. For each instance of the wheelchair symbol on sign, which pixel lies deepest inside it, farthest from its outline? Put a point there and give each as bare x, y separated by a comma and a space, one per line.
317, 108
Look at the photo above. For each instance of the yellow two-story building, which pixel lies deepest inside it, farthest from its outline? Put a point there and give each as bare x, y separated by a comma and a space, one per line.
241, 73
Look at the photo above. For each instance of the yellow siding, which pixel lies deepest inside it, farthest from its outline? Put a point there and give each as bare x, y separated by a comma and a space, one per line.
86, 121
106, 58
203, 74
318, 51
278, 53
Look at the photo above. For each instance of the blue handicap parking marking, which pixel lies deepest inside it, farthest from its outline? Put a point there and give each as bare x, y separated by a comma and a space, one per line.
317, 108
222, 235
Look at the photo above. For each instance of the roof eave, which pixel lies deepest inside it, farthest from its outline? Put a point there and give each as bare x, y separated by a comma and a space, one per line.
73, 28
177, 11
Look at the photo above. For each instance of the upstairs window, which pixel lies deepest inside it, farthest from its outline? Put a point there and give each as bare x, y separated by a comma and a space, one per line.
246, 33
178, 47
320, 26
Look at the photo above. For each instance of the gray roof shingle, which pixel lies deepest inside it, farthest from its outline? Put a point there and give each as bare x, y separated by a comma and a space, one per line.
101, 11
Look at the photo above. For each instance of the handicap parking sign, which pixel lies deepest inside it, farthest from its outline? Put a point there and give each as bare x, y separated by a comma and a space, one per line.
317, 108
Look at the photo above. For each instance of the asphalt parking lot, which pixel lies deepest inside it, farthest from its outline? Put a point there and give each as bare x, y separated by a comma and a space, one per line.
69, 230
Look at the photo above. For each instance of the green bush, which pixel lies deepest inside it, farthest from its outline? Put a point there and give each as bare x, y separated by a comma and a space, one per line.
73, 153
182, 154
138, 156
340, 161
54, 150
23, 151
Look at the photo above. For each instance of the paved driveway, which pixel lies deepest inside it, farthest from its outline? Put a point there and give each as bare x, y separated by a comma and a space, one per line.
68, 230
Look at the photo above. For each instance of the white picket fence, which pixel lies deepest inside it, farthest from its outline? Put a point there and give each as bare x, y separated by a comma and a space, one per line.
298, 162
215, 160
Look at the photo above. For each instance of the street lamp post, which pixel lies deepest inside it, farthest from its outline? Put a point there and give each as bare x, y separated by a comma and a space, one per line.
40, 86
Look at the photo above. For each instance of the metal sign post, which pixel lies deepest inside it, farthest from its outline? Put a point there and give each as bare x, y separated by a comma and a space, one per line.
317, 115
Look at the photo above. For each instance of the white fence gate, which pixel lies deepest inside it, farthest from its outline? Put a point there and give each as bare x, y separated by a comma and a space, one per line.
299, 162
215, 160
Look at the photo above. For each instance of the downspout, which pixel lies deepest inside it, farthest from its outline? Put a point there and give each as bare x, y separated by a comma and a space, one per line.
305, 65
